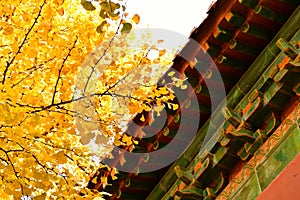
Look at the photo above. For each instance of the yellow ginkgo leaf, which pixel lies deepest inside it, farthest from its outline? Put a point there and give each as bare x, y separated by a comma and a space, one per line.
60, 157
60, 11
98, 198
8, 30
142, 118
175, 106
104, 181
163, 91
183, 87
117, 142
127, 139
94, 180
136, 18
162, 52
172, 73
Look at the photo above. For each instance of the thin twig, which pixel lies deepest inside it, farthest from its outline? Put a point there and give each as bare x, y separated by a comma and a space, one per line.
8, 64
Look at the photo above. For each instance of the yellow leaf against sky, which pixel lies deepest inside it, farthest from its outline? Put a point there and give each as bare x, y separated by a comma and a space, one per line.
136, 18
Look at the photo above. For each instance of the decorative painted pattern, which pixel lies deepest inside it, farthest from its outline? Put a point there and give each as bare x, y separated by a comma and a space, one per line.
260, 155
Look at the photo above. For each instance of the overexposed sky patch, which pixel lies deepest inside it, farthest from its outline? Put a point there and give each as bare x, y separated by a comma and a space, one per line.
176, 15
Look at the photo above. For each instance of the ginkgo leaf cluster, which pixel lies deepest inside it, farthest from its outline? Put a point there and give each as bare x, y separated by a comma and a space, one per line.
68, 85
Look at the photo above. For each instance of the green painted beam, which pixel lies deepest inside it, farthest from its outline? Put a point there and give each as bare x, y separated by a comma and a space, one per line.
227, 61
213, 50
270, 14
223, 34
244, 48
255, 31
263, 60
235, 18
237, 93
249, 3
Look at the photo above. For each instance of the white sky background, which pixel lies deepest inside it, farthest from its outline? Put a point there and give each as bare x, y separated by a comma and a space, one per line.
176, 15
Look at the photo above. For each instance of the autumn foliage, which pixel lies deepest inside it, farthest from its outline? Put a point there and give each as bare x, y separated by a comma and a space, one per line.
66, 79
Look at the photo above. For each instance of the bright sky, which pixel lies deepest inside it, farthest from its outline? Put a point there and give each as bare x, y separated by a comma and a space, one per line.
176, 15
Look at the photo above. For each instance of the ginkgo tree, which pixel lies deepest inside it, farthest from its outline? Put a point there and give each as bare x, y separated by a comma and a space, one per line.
69, 82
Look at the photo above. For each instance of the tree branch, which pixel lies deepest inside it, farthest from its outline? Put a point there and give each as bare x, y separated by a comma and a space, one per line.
13, 167
60, 70
8, 64
104, 53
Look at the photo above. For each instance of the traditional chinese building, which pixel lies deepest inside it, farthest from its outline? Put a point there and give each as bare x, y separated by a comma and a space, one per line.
253, 148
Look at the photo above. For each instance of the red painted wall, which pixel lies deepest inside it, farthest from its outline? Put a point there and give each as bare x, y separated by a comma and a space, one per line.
286, 186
